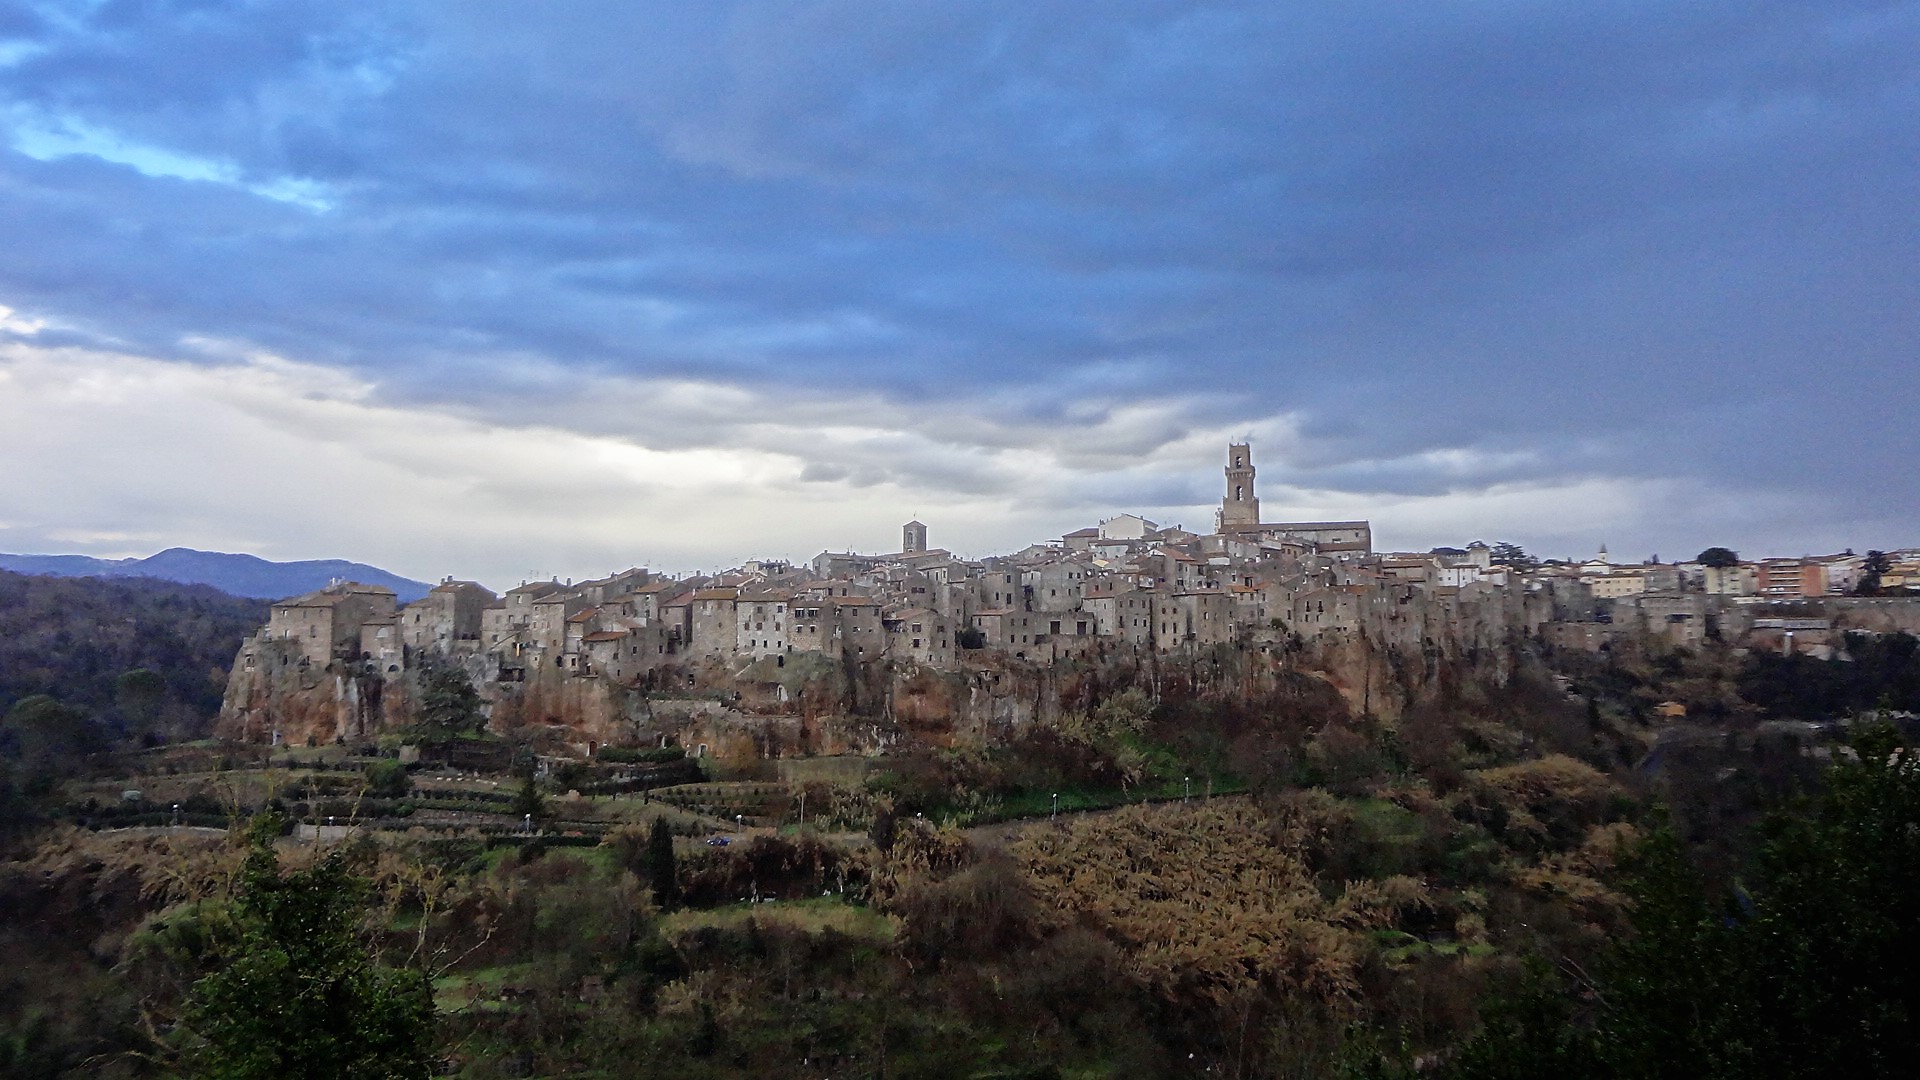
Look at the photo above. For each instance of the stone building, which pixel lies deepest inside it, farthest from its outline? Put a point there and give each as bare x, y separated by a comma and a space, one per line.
448, 618
922, 635
715, 627
1239, 515
1240, 508
761, 622
325, 624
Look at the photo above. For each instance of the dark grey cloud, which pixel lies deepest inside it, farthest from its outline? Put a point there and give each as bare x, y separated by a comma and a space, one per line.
1463, 243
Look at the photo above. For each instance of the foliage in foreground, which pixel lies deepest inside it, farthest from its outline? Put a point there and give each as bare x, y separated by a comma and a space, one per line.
296, 995
1806, 969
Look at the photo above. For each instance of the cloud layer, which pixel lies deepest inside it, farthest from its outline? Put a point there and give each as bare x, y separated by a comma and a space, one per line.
1563, 274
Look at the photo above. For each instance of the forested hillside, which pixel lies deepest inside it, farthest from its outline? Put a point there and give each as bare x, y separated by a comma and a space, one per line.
144, 659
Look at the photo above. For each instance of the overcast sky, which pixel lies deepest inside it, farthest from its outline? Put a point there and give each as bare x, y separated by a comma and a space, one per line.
512, 289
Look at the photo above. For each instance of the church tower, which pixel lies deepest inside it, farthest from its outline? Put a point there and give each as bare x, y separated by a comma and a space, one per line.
1240, 508
913, 538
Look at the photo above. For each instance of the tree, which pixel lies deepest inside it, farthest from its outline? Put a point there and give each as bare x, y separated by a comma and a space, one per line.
1718, 558
1873, 567
527, 802
449, 705
48, 739
1806, 970
299, 995
387, 779
662, 873
1512, 556
139, 693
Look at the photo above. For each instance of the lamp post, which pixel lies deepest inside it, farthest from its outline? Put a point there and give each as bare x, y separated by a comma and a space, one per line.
1055, 812
1188, 793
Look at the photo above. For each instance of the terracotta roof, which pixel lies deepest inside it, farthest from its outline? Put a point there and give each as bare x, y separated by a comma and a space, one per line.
586, 615
605, 635
716, 594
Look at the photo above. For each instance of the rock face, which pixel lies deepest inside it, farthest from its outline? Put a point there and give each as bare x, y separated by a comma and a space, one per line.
274, 697
1390, 650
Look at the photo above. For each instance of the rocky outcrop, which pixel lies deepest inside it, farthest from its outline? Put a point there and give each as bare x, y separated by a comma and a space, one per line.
1400, 647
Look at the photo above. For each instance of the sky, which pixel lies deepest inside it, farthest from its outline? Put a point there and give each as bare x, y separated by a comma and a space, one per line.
507, 290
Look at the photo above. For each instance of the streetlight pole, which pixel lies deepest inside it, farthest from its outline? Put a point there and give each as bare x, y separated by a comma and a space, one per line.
1055, 812
1188, 793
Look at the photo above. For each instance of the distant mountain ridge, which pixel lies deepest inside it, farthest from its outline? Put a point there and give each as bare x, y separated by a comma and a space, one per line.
237, 575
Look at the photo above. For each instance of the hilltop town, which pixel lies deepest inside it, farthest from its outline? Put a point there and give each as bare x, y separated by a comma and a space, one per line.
336, 663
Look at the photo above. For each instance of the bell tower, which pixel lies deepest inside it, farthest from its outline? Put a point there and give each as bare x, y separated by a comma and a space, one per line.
913, 538
1241, 508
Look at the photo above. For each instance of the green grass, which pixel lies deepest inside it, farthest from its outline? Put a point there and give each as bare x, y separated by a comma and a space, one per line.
1387, 822
455, 991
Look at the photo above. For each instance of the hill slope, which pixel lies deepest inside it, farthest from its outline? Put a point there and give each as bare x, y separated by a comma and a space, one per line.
237, 575
74, 639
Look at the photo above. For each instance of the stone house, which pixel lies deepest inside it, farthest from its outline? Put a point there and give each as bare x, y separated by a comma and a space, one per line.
761, 623
1120, 610
601, 590
921, 634
810, 624
857, 628
998, 589
715, 628
547, 625
448, 618
382, 648
1009, 630
325, 624
1336, 607
676, 616
1057, 586
512, 618
645, 602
